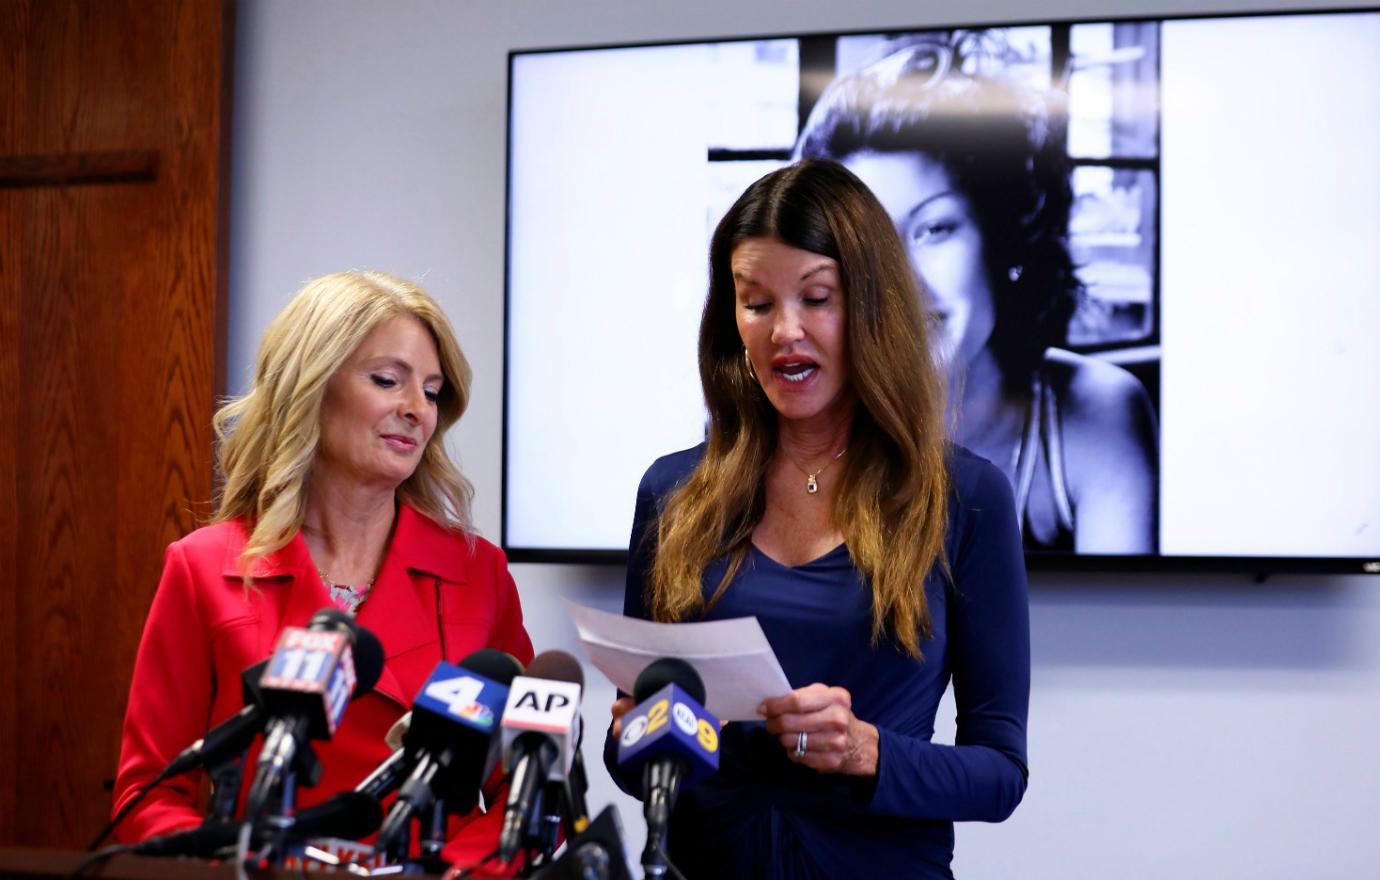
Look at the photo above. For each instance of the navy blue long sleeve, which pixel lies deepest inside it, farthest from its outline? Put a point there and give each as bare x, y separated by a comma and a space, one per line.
764, 816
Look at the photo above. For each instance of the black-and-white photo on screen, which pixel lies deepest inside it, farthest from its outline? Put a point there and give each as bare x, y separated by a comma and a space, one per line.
1144, 247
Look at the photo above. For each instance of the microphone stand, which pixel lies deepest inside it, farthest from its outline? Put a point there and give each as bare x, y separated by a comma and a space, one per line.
533, 835
398, 845
279, 813
660, 782
432, 824
227, 778
279, 820
551, 807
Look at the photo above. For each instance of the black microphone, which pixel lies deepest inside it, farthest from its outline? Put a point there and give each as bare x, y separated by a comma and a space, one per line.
349, 815
308, 683
386, 777
673, 740
220, 750
578, 786
450, 739
597, 853
540, 724
232, 736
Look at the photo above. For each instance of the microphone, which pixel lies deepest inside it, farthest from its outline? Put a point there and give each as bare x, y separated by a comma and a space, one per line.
232, 736
221, 750
308, 683
577, 786
673, 740
390, 774
395, 734
540, 728
594, 854
450, 739
386, 777
348, 815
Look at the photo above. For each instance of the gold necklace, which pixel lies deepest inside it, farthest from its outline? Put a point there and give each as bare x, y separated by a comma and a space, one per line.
811, 479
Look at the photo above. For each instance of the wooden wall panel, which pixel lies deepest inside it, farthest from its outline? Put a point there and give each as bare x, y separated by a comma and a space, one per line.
9, 499
112, 337
12, 86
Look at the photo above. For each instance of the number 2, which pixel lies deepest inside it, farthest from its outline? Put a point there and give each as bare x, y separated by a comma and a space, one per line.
656, 716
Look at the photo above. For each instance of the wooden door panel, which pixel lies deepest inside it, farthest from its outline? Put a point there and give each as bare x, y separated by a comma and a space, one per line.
113, 175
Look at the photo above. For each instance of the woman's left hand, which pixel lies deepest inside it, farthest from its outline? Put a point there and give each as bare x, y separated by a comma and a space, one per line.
836, 740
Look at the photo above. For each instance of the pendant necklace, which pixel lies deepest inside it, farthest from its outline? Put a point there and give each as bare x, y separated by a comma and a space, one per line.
811, 478
346, 598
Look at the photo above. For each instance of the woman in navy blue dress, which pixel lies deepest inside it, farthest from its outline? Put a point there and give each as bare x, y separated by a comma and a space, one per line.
881, 561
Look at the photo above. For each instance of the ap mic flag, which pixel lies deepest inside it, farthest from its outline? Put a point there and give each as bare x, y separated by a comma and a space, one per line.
541, 724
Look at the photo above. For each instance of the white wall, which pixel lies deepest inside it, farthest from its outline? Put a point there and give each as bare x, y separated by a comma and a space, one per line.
1180, 726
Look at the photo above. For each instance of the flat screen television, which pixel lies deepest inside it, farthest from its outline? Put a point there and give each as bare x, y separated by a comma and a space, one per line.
1210, 186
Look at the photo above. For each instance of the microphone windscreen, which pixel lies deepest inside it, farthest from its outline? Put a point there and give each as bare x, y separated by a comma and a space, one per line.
348, 815
497, 666
669, 670
332, 618
556, 666
249, 683
368, 653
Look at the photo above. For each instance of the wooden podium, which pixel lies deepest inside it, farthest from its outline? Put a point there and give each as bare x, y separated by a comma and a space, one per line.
18, 863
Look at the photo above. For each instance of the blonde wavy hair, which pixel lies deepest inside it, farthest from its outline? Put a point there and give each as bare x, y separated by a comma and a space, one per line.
891, 503
267, 440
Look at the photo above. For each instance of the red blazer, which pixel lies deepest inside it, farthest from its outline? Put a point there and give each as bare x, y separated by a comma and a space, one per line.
204, 629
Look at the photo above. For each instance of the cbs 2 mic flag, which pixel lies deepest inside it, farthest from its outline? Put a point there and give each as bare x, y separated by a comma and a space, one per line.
671, 722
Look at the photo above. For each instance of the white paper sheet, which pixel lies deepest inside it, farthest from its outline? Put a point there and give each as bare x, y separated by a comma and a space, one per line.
733, 657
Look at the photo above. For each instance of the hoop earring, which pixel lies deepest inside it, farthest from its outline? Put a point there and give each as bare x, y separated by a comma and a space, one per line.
747, 362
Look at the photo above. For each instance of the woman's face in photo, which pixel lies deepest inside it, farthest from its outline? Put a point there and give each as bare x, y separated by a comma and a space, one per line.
939, 230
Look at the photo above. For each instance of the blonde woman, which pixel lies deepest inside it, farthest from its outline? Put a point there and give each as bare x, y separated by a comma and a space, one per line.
337, 491
881, 561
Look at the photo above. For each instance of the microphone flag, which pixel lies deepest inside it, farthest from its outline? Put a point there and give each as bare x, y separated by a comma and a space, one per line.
671, 723
546, 706
315, 663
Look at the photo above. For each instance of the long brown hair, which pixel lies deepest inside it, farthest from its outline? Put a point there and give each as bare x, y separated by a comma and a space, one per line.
893, 489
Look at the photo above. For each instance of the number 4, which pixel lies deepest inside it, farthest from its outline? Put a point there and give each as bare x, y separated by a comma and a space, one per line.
456, 693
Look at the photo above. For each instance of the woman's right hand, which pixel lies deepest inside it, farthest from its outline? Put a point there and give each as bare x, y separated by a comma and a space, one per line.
620, 707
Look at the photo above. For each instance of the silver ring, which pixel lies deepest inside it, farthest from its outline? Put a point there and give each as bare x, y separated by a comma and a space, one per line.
802, 742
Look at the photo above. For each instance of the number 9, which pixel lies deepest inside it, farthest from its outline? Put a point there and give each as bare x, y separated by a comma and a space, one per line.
708, 736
